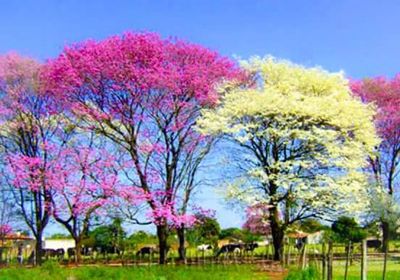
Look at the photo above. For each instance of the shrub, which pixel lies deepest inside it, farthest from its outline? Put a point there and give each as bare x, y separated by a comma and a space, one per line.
310, 273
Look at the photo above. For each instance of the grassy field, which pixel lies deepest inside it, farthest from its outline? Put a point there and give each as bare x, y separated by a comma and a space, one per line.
54, 272
213, 272
317, 248
374, 271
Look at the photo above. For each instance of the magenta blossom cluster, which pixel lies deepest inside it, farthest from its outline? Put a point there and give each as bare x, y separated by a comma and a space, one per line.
163, 211
5, 229
257, 219
385, 94
86, 180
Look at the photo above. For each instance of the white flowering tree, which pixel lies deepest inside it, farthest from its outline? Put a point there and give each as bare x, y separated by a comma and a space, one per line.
303, 140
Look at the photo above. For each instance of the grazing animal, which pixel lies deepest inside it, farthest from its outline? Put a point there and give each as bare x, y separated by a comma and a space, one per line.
85, 251
50, 253
204, 247
60, 252
53, 253
71, 252
230, 248
300, 242
374, 243
106, 250
146, 251
249, 247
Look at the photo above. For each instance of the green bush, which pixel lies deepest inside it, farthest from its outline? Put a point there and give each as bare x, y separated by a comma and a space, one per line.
310, 273
50, 266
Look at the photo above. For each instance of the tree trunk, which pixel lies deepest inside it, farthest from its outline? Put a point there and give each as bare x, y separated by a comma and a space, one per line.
78, 255
181, 249
277, 240
39, 249
385, 245
162, 234
385, 236
277, 234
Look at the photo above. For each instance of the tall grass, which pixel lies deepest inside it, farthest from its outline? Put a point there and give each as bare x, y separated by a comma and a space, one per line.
310, 273
374, 272
51, 271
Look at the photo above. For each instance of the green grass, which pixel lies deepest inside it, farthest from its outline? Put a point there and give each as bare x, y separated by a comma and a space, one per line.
310, 273
374, 271
54, 272
170, 272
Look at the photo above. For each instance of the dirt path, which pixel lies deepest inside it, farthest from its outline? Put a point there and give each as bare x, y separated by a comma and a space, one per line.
274, 271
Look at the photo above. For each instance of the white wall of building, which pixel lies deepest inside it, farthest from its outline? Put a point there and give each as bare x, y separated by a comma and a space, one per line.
58, 244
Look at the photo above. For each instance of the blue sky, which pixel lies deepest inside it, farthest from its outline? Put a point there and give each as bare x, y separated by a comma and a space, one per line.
360, 37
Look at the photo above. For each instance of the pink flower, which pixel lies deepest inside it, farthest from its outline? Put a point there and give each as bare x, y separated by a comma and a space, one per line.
5, 229
257, 219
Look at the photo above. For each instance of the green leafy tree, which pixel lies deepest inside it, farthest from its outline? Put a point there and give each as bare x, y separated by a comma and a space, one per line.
231, 233
347, 229
142, 237
109, 237
206, 230
311, 225
60, 236
250, 237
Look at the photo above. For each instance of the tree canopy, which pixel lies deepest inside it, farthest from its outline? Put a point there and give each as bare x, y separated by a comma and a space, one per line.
303, 139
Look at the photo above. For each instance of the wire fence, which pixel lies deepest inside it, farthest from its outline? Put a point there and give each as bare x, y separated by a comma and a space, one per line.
316, 255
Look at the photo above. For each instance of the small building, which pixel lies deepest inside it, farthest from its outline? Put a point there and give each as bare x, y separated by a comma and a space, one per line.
309, 238
11, 242
59, 244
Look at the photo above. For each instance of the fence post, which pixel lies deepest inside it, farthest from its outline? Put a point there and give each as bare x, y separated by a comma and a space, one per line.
323, 261
346, 270
364, 250
303, 256
330, 260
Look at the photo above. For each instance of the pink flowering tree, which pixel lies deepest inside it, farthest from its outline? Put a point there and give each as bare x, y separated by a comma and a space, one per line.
257, 219
384, 93
8, 211
5, 229
87, 182
29, 124
144, 94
